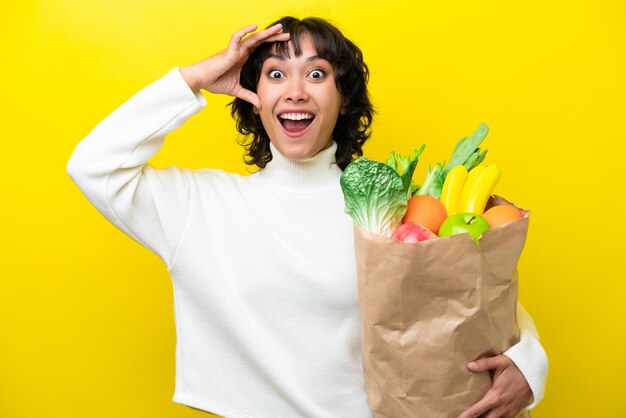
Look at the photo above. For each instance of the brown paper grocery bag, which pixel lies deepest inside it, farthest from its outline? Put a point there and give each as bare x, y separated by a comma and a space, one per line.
429, 308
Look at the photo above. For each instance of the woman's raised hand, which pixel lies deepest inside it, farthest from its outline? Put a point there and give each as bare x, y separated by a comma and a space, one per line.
220, 73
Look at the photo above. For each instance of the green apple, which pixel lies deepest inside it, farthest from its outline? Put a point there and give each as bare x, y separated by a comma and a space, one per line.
460, 223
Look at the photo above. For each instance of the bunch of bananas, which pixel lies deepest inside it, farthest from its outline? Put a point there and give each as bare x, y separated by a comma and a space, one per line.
465, 191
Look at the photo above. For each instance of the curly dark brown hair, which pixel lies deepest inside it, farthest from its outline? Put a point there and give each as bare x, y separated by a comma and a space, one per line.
351, 76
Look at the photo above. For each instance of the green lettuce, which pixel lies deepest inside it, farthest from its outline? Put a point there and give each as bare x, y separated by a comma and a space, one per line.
466, 152
376, 195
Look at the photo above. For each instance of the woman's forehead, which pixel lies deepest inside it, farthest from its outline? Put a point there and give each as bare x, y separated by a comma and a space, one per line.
299, 44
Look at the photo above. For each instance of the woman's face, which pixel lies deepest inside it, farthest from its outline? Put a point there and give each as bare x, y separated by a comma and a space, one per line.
300, 102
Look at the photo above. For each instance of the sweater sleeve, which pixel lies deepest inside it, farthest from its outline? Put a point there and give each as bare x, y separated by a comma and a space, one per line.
110, 165
529, 356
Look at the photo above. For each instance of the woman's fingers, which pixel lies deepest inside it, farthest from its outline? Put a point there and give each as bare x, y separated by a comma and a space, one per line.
496, 413
280, 37
480, 407
509, 392
235, 40
249, 97
245, 40
267, 35
487, 363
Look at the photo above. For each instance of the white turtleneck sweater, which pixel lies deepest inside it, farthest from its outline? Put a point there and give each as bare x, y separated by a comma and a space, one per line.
262, 266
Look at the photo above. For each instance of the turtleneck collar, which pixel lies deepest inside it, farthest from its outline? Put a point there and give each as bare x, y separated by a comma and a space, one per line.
317, 172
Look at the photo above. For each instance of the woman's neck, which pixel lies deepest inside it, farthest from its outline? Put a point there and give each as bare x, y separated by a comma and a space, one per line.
317, 172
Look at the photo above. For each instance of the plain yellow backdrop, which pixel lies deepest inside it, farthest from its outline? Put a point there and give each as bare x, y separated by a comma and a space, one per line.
86, 315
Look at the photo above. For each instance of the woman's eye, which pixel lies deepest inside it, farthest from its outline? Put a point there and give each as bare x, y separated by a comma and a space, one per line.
275, 74
317, 74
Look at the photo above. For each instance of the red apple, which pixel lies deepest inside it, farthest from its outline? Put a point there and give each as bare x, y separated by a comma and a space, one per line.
412, 232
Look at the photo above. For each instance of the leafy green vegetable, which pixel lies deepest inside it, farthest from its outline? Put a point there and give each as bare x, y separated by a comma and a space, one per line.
433, 184
405, 166
466, 152
375, 194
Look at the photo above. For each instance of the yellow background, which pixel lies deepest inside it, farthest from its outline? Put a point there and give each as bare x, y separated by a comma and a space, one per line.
86, 316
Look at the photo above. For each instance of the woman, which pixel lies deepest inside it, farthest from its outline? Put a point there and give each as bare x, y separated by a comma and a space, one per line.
263, 265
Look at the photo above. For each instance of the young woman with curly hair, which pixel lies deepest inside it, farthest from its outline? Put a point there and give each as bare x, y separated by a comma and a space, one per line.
350, 75
262, 265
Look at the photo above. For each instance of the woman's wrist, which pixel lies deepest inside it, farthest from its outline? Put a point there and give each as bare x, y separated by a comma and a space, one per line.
190, 78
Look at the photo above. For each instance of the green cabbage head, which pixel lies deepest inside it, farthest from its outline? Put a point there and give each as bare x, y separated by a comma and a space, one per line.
375, 194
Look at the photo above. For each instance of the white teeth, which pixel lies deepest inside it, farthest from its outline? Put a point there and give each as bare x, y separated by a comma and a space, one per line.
296, 116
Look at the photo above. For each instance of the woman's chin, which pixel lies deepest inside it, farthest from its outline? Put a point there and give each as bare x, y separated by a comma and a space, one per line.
300, 155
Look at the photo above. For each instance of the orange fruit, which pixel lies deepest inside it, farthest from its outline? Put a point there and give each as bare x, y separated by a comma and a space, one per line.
427, 211
501, 214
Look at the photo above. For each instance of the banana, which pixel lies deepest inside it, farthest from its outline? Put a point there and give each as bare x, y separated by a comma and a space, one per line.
482, 188
452, 186
467, 186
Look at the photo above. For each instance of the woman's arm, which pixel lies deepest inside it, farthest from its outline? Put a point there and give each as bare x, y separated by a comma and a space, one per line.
519, 375
111, 165
529, 356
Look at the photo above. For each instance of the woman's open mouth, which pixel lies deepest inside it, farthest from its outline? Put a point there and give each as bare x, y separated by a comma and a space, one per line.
295, 123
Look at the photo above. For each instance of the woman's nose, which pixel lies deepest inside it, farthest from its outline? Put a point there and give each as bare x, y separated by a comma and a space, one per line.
296, 91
